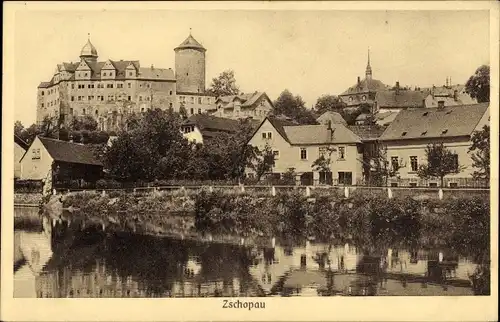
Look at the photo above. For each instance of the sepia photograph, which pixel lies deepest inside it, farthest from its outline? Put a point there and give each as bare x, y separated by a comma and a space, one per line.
248, 154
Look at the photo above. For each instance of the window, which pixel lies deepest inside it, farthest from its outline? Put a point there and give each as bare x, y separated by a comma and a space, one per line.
104, 74
433, 184
444, 131
147, 98
341, 153
199, 111
414, 163
350, 99
264, 135
86, 74
42, 93
91, 86
83, 111
140, 98
303, 153
394, 163
130, 74
109, 86
276, 154
42, 104
453, 185
79, 98
325, 177
142, 109
345, 178
269, 135
71, 110
170, 92
394, 184
35, 154
119, 85
102, 98
170, 105
192, 111
199, 100
424, 133
403, 134
130, 98
129, 85
455, 161
192, 99
111, 97
72, 86
96, 112
413, 184
90, 98
322, 152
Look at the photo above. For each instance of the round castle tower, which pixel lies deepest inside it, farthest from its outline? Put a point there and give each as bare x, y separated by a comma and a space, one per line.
190, 66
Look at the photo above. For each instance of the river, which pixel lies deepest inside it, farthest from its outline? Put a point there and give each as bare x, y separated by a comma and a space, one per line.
142, 266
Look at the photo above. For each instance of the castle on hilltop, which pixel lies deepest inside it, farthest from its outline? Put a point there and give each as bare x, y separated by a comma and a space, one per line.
109, 90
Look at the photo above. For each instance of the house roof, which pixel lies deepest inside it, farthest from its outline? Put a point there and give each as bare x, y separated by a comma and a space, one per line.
190, 43
367, 132
70, 152
208, 122
21, 142
320, 134
334, 117
156, 73
366, 85
400, 99
452, 121
44, 84
247, 100
385, 118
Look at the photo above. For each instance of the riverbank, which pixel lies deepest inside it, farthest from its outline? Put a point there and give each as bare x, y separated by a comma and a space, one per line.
461, 224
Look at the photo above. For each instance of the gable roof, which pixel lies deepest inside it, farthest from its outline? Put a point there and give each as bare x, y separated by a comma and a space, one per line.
401, 99
385, 118
452, 121
319, 134
367, 132
334, 117
70, 152
366, 85
21, 142
156, 73
247, 100
190, 43
208, 122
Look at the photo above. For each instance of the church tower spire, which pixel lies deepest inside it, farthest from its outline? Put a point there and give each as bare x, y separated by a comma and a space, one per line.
368, 72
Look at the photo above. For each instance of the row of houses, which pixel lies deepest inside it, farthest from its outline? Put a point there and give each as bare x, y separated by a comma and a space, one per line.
297, 147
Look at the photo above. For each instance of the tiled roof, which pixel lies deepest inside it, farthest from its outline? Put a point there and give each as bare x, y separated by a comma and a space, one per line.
334, 117
366, 85
450, 121
385, 118
279, 125
44, 84
208, 122
401, 99
319, 134
247, 100
367, 132
20, 142
156, 73
70, 152
71, 67
190, 42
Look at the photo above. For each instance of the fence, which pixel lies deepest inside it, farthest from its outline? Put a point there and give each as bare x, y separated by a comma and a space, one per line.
308, 191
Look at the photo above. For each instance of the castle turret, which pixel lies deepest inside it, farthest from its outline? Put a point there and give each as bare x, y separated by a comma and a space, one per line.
190, 66
89, 52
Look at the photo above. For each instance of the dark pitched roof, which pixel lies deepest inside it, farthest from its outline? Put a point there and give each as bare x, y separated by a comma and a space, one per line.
70, 152
20, 142
453, 121
400, 99
44, 84
367, 132
366, 85
156, 73
320, 134
190, 42
334, 117
208, 122
247, 99
279, 125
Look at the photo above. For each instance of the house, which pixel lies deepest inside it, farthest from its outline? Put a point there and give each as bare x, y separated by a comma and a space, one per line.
255, 105
407, 137
448, 95
333, 117
20, 148
296, 148
201, 127
397, 99
65, 161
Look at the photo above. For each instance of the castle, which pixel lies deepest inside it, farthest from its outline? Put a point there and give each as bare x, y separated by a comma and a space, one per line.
111, 90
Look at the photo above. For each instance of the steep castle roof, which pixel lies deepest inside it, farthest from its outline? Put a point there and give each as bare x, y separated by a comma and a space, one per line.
88, 50
190, 43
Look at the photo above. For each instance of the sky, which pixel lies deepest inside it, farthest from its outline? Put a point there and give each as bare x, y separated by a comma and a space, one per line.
310, 53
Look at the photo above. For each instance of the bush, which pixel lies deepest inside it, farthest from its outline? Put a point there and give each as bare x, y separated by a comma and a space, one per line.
28, 186
108, 184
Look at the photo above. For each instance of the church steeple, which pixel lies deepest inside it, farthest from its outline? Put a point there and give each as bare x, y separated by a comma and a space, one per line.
368, 72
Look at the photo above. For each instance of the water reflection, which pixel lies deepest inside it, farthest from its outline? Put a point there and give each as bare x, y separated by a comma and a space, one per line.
138, 266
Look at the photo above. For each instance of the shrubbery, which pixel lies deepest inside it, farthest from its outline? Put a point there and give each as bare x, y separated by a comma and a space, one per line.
28, 186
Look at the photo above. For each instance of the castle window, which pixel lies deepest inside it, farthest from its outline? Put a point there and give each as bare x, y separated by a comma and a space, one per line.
130, 98
72, 86
90, 98
71, 110
129, 85
170, 105
169, 93
96, 112
199, 100
79, 98
119, 85
104, 74
109, 86
147, 98
83, 111
199, 111
192, 99
42, 104
43, 93
86, 74
350, 99
140, 98
130, 74
192, 111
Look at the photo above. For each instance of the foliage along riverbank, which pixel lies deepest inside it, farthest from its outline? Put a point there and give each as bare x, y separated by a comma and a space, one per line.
458, 224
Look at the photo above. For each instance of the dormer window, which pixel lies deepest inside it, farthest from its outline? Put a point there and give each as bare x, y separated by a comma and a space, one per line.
350, 99
426, 113
104, 74
404, 133
424, 133
444, 131
363, 98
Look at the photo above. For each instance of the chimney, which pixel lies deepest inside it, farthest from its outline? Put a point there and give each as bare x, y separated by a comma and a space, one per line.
455, 95
397, 88
359, 81
330, 129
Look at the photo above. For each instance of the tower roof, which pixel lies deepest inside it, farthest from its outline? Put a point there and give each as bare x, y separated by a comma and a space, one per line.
190, 43
88, 50
368, 67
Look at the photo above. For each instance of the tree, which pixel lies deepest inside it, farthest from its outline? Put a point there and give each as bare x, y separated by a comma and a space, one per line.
263, 161
224, 84
18, 129
327, 103
294, 107
480, 153
440, 163
182, 110
86, 122
478, 85
377, 168
323, 164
